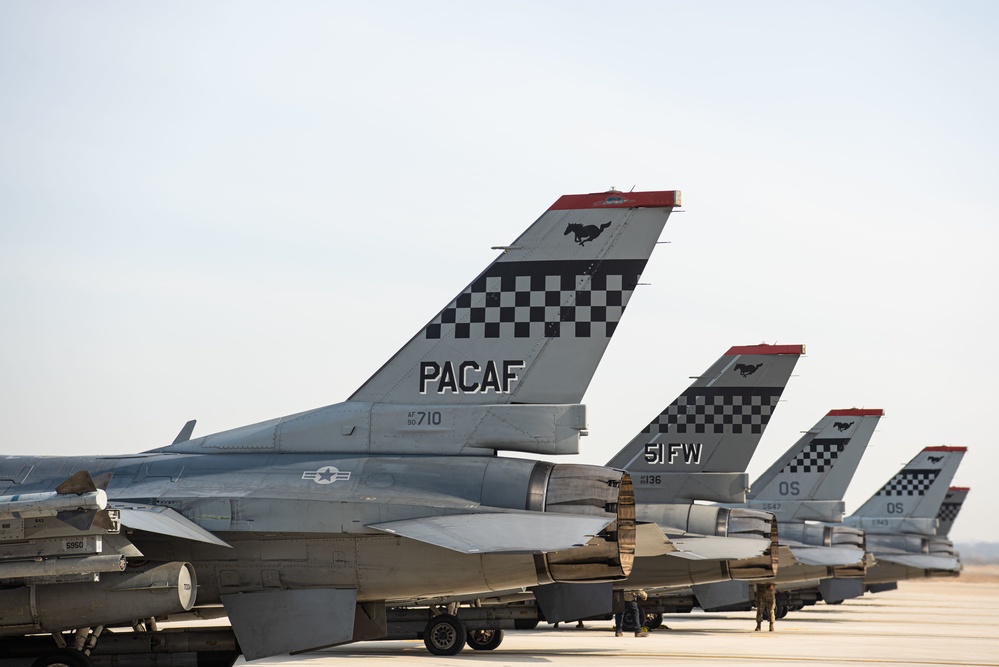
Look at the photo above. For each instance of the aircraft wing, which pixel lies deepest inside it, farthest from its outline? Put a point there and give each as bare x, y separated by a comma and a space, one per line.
165, 521
493, 532
710, 547
829, 556
922, 561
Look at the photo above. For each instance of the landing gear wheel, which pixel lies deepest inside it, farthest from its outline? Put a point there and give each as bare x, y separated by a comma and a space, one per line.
444, 635
632, 622
834, 602
526, 623
653, 620
485, 640
781, 611
64, 657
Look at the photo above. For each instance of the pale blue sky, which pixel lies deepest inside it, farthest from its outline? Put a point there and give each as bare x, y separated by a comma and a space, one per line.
235, 211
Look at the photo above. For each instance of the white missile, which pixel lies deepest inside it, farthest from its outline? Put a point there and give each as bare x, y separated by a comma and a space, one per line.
32, 505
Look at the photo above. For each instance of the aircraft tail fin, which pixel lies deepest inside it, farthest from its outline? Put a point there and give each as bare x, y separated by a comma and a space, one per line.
808, 482
505, 364
950, 508
698, 448
910, 501
533, 326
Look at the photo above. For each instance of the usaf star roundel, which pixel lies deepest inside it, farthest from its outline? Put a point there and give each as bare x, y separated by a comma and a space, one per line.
325, 475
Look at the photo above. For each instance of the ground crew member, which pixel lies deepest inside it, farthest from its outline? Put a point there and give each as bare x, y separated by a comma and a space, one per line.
631, 599
766, 601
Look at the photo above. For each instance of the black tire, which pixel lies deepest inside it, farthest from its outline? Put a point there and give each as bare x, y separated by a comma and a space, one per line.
653, 620
526, 623
780, 611
630, 621
836, 602
444, 635
484, 640
64, 657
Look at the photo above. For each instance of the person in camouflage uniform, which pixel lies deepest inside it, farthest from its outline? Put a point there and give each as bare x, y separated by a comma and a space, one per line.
766, 602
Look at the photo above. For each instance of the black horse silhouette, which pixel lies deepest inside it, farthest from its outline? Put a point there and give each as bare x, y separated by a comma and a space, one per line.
935, 459
747, 369
585, 233
842, 426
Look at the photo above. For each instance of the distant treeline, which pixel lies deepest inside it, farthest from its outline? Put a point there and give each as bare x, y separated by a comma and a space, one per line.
978, 553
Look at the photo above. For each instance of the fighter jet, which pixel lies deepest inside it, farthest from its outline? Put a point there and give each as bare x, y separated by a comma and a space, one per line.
697, 447
804, 488
300, 528
900, 521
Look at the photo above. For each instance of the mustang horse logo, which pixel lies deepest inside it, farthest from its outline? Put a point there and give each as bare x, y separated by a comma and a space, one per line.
747, 369
585, 233
842, 426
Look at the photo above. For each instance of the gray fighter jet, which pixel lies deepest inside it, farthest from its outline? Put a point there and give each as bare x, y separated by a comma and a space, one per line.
300, 528
803, 487
695, 448
900, 521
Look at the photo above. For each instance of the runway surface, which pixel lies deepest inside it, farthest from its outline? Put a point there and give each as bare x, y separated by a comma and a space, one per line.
933, 623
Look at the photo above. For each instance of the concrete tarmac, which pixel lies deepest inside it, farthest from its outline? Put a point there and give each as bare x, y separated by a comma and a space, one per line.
927, 622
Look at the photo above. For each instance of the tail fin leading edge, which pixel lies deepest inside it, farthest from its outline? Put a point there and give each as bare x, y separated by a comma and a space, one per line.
698, 448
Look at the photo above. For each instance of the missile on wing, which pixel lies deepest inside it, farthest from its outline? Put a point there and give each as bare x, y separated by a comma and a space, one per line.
78, 501
33, 505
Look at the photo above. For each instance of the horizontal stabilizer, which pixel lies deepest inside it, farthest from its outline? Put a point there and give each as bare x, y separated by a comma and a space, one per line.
164, 521
494, 532
828, 556
923, 561
652, 541
709, 547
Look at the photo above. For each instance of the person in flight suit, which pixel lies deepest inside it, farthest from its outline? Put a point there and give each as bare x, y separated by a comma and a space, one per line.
766, 601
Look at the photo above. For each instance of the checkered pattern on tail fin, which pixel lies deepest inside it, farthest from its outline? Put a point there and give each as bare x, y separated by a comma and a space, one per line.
707, 410
948, 511
535, 299
909, 483
817, 456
